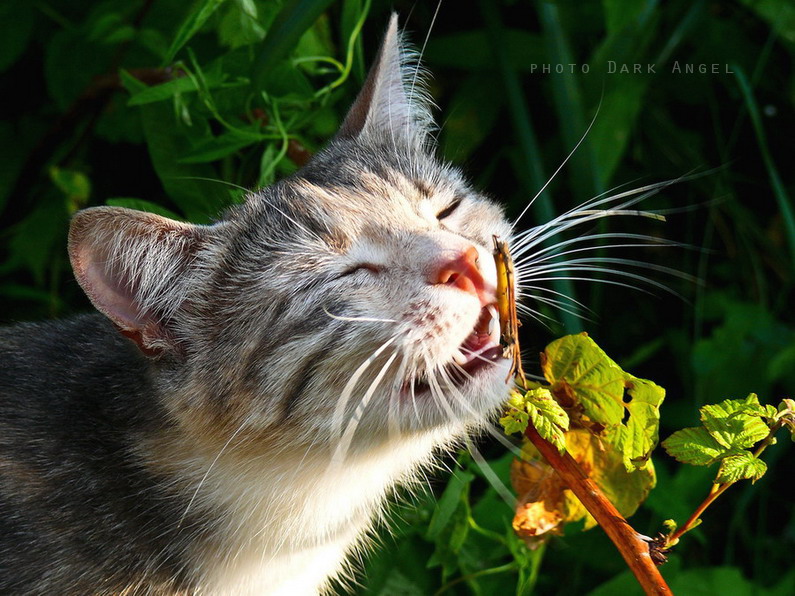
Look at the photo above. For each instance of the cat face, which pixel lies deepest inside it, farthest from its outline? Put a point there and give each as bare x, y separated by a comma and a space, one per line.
350, 302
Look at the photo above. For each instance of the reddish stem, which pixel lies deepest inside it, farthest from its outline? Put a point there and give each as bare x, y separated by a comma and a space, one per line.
632, 546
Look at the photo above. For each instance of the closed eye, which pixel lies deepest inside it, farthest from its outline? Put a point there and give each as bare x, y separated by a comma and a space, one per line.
448, 211
360, 267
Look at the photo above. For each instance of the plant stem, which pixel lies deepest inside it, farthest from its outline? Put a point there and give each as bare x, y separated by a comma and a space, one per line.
490, 571
633, 546
717, 490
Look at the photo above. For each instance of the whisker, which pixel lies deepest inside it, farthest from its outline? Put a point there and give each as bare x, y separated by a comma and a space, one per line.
356, 319
560, 167
344, 441
339, 410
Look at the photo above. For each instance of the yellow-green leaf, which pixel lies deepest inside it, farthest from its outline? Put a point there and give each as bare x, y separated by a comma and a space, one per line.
735, 423
536, 406
546, 415
739, 467
637, 435
579, 370
694, 446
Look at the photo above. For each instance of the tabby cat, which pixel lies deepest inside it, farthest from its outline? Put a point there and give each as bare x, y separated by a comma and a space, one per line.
234, 419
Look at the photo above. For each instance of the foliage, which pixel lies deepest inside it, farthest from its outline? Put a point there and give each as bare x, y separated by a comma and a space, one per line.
178, 107
605, 418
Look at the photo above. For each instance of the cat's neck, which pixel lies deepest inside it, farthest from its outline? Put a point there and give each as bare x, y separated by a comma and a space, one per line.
275, 509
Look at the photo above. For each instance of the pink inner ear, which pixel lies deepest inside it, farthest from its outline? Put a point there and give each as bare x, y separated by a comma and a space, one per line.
110, 294
130, 264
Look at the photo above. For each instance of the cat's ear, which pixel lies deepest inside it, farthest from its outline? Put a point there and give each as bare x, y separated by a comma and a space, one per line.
135, 268
392, 105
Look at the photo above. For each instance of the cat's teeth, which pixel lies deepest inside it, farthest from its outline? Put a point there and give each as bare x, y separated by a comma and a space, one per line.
459, 358
494, 324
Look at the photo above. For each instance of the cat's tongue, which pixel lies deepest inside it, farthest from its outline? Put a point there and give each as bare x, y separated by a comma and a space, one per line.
482, 346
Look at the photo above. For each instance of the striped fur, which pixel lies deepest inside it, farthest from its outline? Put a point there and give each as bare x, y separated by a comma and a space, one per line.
242, 432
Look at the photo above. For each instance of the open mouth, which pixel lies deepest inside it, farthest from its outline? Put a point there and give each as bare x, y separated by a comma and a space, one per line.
480, 350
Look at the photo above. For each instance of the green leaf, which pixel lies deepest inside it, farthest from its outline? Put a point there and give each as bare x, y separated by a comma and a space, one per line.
288, 27
215, 148
448, 503
515, 421
546, 415
190, 186
240, 25
202, 11
739, 467
539, 407
637, 436
75, 185
579, 370
213, 79
735, 423
694, 446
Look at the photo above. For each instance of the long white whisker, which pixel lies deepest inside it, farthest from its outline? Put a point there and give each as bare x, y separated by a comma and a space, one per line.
358, 319
393, 420
551, 251
347, 437
339, 410
560, 167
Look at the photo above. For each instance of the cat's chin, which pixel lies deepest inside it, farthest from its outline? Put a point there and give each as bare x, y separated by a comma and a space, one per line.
476, 363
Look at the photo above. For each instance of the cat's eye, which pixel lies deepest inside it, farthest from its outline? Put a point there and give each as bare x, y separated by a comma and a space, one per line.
448, 211
361, 267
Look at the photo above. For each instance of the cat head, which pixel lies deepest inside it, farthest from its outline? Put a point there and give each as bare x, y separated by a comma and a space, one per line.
352, 299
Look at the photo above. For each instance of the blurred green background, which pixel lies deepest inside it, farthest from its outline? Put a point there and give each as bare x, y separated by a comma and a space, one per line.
176, 107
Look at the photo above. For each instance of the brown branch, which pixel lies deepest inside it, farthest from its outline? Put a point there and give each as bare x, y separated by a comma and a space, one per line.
633, 546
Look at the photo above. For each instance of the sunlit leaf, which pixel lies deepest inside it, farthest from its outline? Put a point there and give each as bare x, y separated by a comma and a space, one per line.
694, 446
545, 503
637, 435
739, 467
735, 423
580, 372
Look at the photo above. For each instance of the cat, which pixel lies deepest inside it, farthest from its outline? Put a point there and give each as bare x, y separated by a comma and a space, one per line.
251, 391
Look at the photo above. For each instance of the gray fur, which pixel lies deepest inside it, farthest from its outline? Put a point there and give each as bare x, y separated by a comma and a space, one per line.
221, 421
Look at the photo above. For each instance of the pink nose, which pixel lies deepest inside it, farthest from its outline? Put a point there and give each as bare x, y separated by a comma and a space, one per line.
463, 273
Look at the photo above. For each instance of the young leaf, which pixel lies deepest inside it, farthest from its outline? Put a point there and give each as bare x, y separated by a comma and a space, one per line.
515, 421
735, 423
694, 446
539, 407
546, 415
740, 466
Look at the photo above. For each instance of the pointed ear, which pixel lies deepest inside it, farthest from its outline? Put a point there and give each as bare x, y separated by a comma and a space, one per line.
134, 267
392, 105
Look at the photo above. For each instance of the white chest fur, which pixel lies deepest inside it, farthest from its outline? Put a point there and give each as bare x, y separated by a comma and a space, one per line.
289, 524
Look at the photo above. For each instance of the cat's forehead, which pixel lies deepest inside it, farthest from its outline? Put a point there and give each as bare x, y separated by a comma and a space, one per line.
349, 193
379, 199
